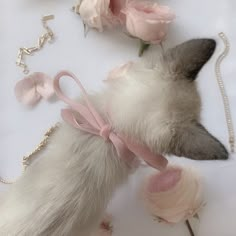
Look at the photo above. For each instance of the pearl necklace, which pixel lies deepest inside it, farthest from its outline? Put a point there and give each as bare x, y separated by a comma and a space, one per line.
225, 98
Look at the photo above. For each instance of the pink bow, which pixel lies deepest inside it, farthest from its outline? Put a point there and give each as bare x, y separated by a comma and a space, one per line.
89, 120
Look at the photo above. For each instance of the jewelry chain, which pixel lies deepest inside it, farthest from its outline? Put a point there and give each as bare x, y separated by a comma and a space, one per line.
228, 115
43, 39
26, 160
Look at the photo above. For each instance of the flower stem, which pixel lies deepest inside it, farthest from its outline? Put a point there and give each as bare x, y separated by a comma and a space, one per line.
162, 48
189, 227
143, 47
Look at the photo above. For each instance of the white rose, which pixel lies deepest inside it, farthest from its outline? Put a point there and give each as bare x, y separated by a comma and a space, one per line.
174, 194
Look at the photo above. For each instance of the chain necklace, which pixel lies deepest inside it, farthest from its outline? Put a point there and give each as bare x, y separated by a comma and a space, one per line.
26, 160
48, 36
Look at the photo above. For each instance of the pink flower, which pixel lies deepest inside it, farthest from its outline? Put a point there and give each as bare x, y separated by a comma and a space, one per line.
101, 13
148, 21
173, 195
34, 87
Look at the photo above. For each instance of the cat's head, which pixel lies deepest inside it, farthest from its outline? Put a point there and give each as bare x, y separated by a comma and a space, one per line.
161, 105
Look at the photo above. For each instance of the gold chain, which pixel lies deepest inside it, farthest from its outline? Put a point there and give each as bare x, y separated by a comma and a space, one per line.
26, 160
48, 36
43, 39
223, 92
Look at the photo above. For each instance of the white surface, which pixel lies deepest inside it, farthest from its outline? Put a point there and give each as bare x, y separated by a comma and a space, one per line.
91, 59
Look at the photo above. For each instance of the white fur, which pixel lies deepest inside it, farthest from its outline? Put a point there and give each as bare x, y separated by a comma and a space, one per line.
66, 191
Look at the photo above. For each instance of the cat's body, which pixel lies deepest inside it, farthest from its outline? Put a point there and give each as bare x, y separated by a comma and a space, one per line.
79, 173
66, 192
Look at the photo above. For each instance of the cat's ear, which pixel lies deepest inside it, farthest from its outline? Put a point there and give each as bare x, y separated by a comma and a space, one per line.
195, 142
187, 59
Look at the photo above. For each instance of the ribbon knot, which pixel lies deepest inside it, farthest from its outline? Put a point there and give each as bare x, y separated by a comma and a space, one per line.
105, 131
90, 121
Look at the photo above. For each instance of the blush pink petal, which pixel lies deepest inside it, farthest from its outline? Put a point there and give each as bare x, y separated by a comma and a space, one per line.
119, 72
164, 180
26, 93
148, 21
34, 87
99, 14
44, 85
116, 7
152, 11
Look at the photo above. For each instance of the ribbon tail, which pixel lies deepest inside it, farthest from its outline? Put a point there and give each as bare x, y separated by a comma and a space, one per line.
156, 161
122, 150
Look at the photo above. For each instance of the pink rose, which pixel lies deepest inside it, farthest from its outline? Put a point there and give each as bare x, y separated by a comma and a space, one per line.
174, 194
148, 21
100, 13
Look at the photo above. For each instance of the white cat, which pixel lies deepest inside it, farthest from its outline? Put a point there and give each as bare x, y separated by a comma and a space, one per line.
66, 192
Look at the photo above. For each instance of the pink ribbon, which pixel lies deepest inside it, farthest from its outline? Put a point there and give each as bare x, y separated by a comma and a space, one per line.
89, 120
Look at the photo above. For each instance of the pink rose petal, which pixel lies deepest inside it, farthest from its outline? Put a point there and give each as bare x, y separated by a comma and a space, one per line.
44, 85
33, 87
99, 14
147, 20
26, 93
164, 180
119, 72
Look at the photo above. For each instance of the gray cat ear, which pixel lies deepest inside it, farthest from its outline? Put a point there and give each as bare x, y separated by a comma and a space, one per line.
188, 58
195, 142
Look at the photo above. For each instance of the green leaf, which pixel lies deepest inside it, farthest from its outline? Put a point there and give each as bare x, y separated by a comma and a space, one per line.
143, 47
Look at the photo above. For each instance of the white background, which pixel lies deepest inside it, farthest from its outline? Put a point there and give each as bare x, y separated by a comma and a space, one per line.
91, 58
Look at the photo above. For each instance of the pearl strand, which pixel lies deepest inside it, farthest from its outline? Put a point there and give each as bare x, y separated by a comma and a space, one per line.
225, 98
